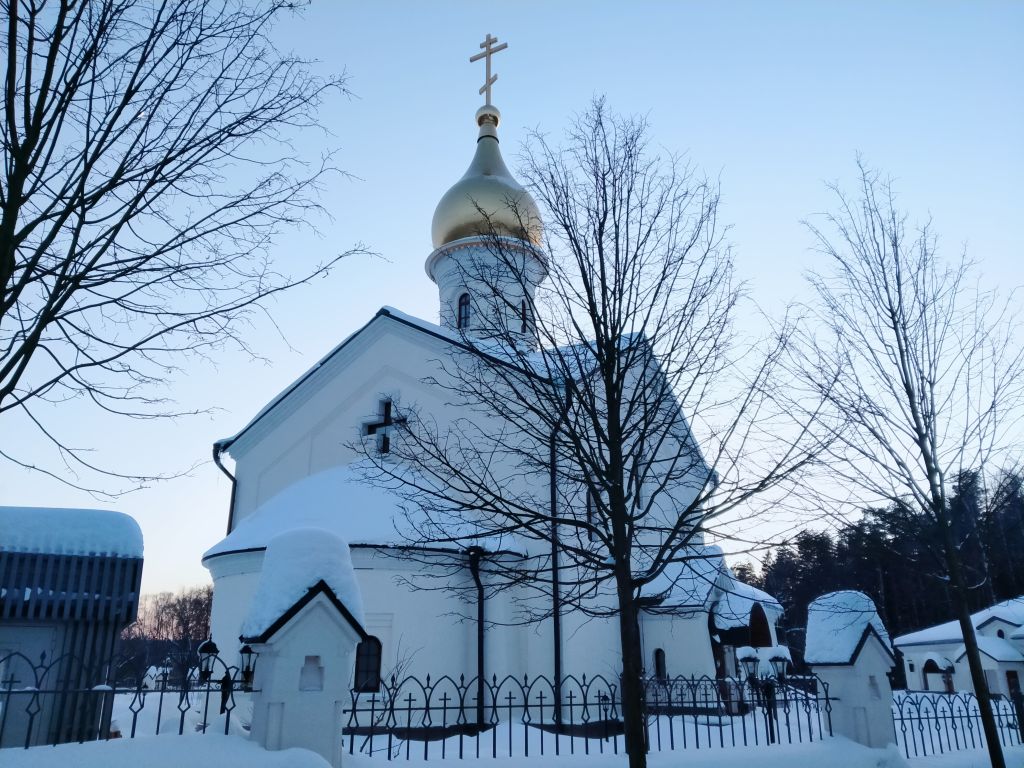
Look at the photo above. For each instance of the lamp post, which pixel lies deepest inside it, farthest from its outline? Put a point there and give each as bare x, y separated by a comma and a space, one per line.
208, 651
764, 686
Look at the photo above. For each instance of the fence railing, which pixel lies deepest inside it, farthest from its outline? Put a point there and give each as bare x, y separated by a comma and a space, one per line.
931, 723
65, 699
522, 717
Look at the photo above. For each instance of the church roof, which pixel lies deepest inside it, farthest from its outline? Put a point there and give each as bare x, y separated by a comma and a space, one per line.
384, 314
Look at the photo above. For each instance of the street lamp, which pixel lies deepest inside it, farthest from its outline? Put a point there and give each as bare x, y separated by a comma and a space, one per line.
779, 664
750, 666
247, 654
208, 651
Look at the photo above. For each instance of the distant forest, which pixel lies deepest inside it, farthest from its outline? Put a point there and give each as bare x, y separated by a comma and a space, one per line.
893, 555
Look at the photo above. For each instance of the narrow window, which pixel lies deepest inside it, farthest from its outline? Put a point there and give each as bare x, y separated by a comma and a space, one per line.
463, 317
524, 321
368, 654
659, 664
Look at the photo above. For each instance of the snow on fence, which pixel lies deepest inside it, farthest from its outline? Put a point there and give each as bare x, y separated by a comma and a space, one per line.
931, 723
519, 717
66, 699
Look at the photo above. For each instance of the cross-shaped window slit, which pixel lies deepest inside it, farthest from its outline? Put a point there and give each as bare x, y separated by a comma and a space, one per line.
382, 427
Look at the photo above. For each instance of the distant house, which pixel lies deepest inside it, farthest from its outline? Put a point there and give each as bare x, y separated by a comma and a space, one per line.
69, 583
934, 659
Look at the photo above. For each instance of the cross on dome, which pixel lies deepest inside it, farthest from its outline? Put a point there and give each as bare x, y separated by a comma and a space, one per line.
486, 54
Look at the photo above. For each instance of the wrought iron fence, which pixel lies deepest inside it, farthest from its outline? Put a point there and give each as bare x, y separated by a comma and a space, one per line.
65, 699
932, 723
519, 717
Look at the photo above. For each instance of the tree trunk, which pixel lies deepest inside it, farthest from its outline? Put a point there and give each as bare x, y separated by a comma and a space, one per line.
963, 613
632, 670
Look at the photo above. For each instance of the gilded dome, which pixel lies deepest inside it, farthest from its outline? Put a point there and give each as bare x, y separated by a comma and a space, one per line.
487, 195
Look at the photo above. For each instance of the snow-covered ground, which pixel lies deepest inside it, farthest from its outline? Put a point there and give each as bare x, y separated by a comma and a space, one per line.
210, 751
215, 751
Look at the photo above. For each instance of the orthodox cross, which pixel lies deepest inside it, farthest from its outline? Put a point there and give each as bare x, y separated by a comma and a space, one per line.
488, 51
382, 427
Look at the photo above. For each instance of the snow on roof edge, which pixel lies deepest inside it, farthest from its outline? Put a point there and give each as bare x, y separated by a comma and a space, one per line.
70, 531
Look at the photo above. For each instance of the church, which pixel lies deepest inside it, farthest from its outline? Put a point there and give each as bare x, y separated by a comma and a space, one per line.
297, 464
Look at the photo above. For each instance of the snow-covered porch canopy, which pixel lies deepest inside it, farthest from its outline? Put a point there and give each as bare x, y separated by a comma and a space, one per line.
705, 583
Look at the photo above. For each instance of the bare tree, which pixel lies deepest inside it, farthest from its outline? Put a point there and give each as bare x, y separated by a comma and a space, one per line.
613, 418
922, 375
147, 167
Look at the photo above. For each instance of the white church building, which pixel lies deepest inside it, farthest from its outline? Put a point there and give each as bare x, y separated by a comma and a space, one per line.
295, 466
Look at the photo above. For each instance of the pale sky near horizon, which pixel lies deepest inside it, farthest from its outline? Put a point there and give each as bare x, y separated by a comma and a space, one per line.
773, 98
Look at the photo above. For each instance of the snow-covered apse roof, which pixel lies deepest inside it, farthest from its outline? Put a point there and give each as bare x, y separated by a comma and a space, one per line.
836, 623
1010, 611
63, 531
336, 500
737, 601
295, 562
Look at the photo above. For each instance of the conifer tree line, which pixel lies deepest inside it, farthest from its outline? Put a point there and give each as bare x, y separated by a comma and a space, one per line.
893, 554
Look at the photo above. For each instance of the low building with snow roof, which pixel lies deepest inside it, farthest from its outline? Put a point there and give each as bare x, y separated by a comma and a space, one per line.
934, 658
69, 583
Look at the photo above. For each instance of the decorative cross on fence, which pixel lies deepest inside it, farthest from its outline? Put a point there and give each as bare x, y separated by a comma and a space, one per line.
486, 54
382, 427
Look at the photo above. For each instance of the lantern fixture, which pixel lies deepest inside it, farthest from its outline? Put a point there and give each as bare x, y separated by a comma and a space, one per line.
248, 661
750, 665
779, 666
208, 651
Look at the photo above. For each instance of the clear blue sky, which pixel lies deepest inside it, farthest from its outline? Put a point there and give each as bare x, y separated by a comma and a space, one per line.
774, 98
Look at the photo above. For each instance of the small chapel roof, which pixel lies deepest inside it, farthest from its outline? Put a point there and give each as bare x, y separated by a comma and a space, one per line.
838, 625
996, 648
300, 563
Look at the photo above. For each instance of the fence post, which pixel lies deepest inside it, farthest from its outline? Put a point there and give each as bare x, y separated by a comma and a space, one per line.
1018, 708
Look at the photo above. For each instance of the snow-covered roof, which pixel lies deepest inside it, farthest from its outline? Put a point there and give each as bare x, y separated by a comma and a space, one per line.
737, 600
995, 648
703, 579
1010, 611
64, 531
688, 583
336, 500
836, 624
295, 562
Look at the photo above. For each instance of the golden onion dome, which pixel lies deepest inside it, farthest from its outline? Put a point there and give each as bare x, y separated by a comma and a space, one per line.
487, 198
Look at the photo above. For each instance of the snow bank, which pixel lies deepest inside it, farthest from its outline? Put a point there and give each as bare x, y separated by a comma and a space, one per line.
207, 751
831, 753
835, 625
295, 561
335, 500
63, 531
